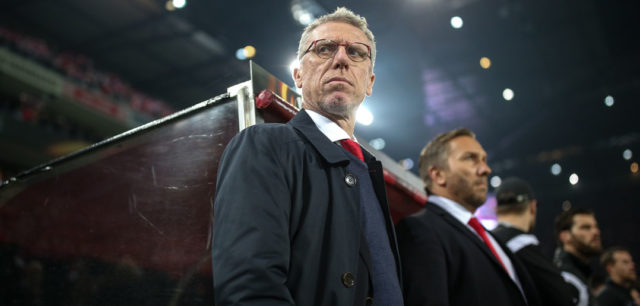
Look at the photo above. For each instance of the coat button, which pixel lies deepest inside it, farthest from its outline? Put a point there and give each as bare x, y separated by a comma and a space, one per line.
368, 301
350, 179
348, 280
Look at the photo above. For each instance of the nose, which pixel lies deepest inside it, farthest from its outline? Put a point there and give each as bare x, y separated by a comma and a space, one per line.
484, 169
341, 59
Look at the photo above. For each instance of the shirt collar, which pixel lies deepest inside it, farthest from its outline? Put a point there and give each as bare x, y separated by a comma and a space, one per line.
329, 128
452, 207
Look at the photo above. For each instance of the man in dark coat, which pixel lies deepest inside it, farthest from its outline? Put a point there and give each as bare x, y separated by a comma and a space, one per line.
516, 210
579, 240
448, 257
622, 276
301, 216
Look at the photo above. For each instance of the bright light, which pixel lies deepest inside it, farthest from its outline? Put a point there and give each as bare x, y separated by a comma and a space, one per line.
456, 22
495, 181
240, 54
489, 224
407, 163
634, 167
249, 51
179, 3
169, 6
608, 101
294, 64
507, 94
627, 154
556, 169
485, 63
305, 18
364, 116
573, 179
378, 143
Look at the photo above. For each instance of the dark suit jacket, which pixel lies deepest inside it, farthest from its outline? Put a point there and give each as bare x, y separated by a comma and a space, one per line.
444, 263
287, 225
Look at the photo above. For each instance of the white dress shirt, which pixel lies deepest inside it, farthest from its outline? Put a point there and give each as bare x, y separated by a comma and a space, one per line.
329, 128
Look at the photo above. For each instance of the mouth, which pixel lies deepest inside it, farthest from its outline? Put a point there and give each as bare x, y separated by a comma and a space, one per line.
338, 80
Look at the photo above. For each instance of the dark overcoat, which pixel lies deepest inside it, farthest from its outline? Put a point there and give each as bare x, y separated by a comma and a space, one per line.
287, 220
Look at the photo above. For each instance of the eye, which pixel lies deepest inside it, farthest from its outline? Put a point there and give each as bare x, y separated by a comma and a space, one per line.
325, 48
357, 51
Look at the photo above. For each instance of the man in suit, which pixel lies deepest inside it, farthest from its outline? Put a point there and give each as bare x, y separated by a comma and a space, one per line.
579, 240
301, 216
448, 257
622, 276
516, 210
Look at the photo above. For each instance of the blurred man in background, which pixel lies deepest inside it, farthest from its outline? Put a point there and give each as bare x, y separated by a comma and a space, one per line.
621, 269
579, 240
516, 211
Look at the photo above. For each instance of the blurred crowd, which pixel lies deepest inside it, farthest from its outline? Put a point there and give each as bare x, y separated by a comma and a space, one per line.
82, 71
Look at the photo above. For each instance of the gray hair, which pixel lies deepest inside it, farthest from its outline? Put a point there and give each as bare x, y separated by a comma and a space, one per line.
341, 14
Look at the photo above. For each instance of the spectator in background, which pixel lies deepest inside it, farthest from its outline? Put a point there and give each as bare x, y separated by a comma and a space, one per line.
579, 240
516, 211
621, 269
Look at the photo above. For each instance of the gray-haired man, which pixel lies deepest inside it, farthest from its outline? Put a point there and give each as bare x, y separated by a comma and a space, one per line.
301, 215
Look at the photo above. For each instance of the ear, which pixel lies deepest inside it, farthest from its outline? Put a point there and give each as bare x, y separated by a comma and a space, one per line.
437, 176
370, 85
608, 268
564, 236
297, 77
533, 207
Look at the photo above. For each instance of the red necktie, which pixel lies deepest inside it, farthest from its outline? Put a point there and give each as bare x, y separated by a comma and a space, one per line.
352, 147
475, 224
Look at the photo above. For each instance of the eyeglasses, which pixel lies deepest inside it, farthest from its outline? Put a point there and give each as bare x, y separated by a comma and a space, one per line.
325, 48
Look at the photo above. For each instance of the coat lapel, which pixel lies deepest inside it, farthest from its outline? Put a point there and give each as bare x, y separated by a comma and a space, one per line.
467, 232
308, 129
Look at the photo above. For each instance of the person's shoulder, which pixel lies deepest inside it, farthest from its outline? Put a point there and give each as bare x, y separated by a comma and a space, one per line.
267, 135
277, 130
504, 233
609, 296
424, 218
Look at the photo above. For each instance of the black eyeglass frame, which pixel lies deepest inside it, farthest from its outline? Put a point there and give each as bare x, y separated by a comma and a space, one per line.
345, 44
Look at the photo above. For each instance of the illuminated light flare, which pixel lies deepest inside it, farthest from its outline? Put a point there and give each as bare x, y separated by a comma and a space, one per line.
457, 22
608, 101
240, 54
507, 94
378, 143
485, 62
573, 179
495, 181
249, 51
364, 116
179, 3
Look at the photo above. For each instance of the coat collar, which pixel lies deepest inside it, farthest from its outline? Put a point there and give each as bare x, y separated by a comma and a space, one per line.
327, 149
467, 232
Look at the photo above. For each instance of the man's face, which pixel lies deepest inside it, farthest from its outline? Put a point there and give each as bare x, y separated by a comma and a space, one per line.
585, 235
623, 266
334, 87
465, 179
